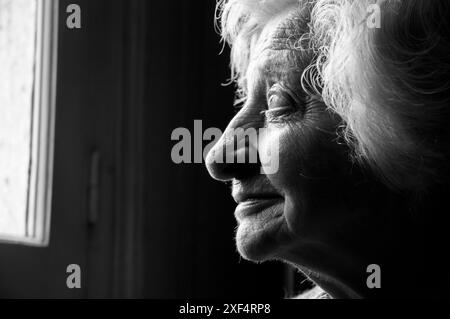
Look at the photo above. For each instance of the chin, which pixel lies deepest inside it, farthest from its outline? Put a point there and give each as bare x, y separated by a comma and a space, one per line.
261, 238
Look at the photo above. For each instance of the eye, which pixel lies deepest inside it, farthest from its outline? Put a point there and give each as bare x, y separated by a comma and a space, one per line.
282, 102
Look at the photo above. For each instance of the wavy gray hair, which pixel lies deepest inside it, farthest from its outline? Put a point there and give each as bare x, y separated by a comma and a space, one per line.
390, 84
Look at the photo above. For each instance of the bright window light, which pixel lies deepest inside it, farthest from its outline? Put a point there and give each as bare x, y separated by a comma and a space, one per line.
28, 34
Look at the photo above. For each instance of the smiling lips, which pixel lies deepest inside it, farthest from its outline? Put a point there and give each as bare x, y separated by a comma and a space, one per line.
252, 203
254, 189
242, 197
254, 196
254, 206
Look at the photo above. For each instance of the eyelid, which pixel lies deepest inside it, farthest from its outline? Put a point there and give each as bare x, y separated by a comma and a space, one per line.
279, 89
282, 88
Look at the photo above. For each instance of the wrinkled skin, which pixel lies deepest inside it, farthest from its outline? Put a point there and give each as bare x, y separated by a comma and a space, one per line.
320, 211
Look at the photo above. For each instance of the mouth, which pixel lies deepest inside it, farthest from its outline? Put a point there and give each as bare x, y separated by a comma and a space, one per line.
254, 197
243, 197
260, 217
253, 204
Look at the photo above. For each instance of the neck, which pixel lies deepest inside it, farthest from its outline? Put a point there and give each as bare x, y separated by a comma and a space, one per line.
408, 243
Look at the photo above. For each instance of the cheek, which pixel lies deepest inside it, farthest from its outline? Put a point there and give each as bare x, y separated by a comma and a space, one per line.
309, 153
311, 168
297, 156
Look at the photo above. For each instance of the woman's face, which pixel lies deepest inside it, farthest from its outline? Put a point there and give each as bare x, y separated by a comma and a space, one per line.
304, 212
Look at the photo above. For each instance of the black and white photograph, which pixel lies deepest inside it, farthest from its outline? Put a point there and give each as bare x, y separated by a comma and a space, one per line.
227, 156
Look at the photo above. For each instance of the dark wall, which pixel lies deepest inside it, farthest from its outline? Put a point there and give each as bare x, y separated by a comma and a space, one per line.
189, 222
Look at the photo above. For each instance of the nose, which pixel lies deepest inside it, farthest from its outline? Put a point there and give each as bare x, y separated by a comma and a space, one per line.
235, 155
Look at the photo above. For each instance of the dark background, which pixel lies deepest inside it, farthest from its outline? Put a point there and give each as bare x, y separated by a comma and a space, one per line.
189, 244
137, 70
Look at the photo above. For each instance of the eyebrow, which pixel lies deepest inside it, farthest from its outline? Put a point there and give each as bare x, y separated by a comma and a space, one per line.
279, 55
284, 61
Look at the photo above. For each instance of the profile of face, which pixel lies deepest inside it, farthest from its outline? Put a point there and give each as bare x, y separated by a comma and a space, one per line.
322, 210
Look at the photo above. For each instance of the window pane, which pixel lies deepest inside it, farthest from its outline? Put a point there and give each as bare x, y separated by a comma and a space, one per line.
18, 23
28, 46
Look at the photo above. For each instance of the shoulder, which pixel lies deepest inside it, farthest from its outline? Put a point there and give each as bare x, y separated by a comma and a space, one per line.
315, 293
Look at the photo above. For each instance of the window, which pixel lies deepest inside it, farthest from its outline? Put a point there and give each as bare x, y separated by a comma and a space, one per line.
28, 33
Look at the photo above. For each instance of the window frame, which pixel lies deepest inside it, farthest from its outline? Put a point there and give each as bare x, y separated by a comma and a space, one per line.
43, 130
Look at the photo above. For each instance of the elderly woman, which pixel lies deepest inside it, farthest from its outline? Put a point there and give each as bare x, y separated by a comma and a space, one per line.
356, 94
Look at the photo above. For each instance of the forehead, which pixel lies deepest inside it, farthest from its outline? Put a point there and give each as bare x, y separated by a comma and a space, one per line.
282, 46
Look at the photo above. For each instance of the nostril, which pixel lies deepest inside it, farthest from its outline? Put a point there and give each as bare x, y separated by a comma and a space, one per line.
216, 165
233, 158
223, 170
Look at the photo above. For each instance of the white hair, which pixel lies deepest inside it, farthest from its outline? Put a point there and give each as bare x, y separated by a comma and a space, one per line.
241, 22
390, 85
